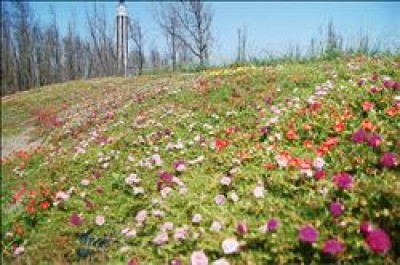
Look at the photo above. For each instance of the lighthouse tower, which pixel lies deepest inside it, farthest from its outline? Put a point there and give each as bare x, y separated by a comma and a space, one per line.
122, 38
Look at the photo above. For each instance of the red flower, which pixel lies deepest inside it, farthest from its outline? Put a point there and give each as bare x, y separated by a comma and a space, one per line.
339, 127
30, 209
367, 106
291, 135
44, 205
221, 144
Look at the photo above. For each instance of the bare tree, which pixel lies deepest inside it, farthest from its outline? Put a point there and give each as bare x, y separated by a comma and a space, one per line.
136, 35
193, 28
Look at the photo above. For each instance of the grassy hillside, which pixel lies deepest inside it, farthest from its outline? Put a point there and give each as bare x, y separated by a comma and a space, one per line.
251, 165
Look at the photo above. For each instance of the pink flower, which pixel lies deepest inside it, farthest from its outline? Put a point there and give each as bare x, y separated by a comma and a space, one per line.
19, 250
359, 136
374, 140
196, 218
75, 220
198, 258
167, 226
100, 220
128, 232
180, 233
343, 180
272, 224
332, 247
389, 160
141, 216
378, 241
389, 83
365, 228
132, 179
157, 160
230, 246
220, 199
180, 166
308, 234
161, 238
336, 208
319, 163
242, 229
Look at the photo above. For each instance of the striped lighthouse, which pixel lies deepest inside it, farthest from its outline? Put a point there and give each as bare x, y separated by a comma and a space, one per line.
122, 38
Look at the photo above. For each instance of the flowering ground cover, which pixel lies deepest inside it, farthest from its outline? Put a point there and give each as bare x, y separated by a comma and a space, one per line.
294, 163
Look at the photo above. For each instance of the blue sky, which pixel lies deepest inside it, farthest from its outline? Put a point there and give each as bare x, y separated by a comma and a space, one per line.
271, 26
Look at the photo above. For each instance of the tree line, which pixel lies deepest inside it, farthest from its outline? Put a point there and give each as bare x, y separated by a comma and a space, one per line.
35, 55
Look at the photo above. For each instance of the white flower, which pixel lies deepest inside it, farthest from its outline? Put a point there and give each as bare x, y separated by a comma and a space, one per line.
62, 196
100, 220
230, 246
85, 182
198, 258
281, 160
220, 199
157, 160
196, 218
221, 261
258, 191
138, 190
216, 226
225, 181
234, 197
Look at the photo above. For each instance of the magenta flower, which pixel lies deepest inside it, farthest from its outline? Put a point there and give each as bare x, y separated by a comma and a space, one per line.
378, 241
336, 209
396, 86
319, 174
389, 160
343, 180
272, 224
176, 261
365, 228
242, 229
374, 90
308, 234
359, 136
389, 83
374, 140
332, 247
75, 220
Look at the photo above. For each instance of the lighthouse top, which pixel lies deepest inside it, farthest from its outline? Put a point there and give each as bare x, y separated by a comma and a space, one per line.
121, 9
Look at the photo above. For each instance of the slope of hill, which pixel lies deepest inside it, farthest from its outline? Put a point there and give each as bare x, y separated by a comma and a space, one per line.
294, 163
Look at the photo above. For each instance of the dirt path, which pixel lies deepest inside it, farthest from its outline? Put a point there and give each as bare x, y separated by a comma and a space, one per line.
22, 141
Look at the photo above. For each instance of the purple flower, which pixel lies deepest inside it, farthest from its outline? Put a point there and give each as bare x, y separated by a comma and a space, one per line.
359, 136
343, 180
365, 228
272, 224
242, 228
308, 234
389, 160
374, 140
75, 220
378, 241
332, 247
336, 208
176, 261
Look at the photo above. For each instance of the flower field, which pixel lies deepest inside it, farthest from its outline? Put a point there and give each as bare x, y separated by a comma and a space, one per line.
286, 164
